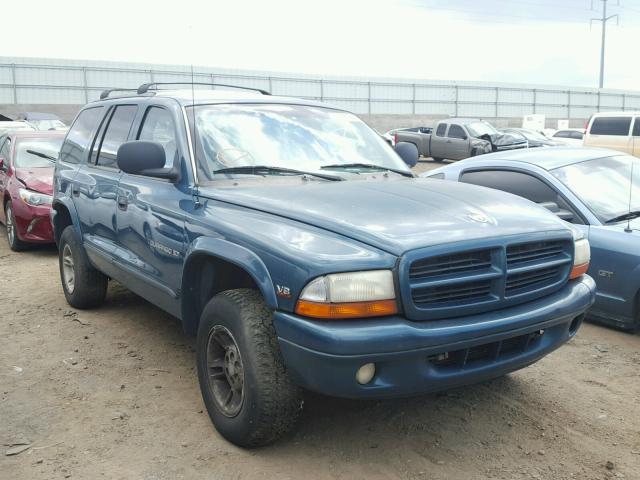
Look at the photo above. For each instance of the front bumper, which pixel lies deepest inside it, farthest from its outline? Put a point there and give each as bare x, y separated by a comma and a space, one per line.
419, 357
33, 222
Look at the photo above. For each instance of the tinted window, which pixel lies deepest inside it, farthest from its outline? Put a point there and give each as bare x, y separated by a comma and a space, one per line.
442, 127
158, 127
116, 134
518, 183
456, 131
611, 126
636, 127
80, 134
576, 135
562, 134
5, 150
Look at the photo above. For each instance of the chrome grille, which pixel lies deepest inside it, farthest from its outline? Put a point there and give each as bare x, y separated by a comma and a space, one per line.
471, 281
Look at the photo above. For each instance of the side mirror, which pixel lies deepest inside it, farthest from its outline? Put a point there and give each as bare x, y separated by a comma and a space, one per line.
140, 157
553, 207
408, 152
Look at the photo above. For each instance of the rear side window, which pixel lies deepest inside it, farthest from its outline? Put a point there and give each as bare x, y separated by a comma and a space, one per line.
79, 136
576, 135
442, 127
456, 131
521, 184
116, 134
611, 126
562, 134
636, 127
158, 127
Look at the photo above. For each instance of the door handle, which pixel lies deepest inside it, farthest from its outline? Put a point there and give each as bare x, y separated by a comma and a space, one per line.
122, 203
75, 191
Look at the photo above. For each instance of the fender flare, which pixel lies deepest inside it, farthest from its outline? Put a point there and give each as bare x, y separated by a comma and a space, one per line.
238, 255
70, 207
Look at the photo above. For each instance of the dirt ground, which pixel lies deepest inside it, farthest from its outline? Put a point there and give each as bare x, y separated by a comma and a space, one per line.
112, 393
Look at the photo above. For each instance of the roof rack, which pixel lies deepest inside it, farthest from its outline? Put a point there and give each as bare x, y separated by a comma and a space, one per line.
145, 87
105, 93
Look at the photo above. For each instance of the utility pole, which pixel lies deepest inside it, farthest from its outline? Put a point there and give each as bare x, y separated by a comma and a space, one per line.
604, 19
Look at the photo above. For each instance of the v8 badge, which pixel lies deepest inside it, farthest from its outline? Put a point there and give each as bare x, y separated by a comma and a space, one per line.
283, 292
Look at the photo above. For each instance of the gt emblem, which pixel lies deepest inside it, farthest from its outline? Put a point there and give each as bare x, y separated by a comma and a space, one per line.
478, 217
283, 292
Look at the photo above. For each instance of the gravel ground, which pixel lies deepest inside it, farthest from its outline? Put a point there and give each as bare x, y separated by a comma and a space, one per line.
112, 393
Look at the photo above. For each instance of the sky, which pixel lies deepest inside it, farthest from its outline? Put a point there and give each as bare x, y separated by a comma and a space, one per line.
522, 41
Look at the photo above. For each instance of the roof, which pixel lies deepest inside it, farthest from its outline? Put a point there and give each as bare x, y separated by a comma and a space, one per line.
201, 96
37, 116
615, 114
550, 158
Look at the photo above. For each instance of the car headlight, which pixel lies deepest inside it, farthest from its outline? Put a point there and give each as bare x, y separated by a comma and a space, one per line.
581, 258
349, 295
34, 198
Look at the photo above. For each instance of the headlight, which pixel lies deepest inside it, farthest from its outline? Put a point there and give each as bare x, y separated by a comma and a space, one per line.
349, 295
34, 198
581, 258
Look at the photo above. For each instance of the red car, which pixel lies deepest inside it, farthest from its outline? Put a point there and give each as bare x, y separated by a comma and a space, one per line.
26, 185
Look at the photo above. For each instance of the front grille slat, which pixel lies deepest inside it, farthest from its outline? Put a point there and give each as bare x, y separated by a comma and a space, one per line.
443, 284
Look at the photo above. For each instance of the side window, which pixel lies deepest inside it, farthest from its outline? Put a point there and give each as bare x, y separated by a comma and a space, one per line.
80, 134
636, 127
442, 127
562, 134
576, 135
5, 150
456, 131
158, 127
518, 183
116, 134
611, 126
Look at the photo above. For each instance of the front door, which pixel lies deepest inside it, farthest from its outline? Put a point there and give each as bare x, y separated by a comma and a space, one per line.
150, 219
5, 152
95, 186
458, 142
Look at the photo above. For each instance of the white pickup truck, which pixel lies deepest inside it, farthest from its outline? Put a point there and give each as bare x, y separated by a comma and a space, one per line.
459, 138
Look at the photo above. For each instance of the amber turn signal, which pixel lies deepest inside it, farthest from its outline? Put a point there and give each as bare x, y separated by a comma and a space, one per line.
377, 308
578, 270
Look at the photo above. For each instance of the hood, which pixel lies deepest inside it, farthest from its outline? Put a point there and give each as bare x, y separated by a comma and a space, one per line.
37, 179
395, 215
622, 226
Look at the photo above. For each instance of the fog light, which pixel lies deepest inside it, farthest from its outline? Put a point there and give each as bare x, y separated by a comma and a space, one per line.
365, 373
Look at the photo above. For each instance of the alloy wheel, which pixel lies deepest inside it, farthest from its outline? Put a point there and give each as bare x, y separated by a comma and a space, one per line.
68, 274
225, 371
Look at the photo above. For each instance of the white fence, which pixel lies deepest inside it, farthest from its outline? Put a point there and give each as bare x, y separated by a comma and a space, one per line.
46, 81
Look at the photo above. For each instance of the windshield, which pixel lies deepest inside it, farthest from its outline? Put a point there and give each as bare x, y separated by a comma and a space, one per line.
531, 135
47, 146
296, 137
603, 184
48, 124
477, 129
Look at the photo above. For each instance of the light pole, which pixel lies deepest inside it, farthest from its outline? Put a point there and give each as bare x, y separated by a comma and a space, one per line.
604, 19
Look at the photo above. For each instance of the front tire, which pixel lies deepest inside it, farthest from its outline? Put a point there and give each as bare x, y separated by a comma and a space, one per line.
15, 243
83, 285
245, 387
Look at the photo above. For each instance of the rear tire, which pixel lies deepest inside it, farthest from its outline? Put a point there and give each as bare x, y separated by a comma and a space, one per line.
15, 243
436, 159
83, 285
245, 387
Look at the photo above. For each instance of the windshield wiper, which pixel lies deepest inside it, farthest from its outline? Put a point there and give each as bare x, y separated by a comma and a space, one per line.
625, 216
369, 166
42, 155
267, 169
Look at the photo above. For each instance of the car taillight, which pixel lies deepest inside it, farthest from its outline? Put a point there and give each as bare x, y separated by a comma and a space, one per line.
586, 125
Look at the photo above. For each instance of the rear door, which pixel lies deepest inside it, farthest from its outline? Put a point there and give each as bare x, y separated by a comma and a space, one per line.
439, 141
457, 143
636, 137
611, 132
96, 184
150, 217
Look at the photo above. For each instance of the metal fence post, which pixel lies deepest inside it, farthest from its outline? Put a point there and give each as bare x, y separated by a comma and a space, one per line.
369, 98
455, 105
496, 105
15, 87
413, 103
321, 90
624, 102
84, 85
568, 104
270, 85
535, 100
151, 79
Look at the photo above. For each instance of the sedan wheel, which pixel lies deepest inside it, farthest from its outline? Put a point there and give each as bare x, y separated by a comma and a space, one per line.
12, 235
